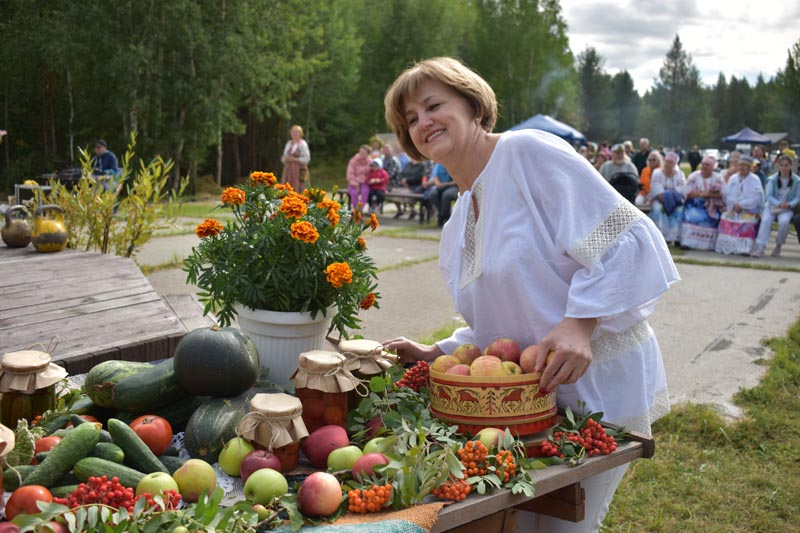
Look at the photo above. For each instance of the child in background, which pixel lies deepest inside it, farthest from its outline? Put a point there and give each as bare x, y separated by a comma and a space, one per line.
377, 179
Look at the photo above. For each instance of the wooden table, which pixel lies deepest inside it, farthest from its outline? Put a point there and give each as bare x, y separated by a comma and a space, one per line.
97, 306
558, 493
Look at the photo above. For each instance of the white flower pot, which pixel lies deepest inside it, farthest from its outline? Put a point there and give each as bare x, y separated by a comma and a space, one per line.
281, 337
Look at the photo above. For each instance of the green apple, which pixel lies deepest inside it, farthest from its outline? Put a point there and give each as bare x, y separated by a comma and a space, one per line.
344, 458
490, 437
372, 445
261, 511
232, 455
193, 478
264, 485
156, 483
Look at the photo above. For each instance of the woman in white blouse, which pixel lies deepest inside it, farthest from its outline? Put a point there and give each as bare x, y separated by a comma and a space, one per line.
667, 213
594, 266
295, 159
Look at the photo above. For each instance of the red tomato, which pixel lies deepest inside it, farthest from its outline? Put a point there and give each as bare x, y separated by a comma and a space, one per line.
23, 500
45, 444
155, 431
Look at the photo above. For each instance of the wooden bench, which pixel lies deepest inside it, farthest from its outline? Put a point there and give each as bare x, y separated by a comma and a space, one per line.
399, 195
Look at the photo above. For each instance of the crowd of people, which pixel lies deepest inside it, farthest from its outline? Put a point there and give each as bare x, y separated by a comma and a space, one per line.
729, 211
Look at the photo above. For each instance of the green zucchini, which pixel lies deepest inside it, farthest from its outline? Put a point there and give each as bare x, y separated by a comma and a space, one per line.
62, 432
95, 466
53, 424
172, 462
212, 425
108, 451
13, 476
85, 406
41, 456
103, 378
149, 389
137, 454
63, 491
73, 446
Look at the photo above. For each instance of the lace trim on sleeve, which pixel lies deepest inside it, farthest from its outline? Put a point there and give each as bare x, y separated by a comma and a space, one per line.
609, 346
605, 233
473, 239
643, 422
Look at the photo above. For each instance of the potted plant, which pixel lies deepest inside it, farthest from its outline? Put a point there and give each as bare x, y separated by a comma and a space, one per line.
287, 263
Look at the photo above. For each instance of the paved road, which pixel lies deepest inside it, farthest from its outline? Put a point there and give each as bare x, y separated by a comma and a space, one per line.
711, 325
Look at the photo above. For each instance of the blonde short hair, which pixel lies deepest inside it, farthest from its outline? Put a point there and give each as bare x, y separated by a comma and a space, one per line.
296, 127
453, 74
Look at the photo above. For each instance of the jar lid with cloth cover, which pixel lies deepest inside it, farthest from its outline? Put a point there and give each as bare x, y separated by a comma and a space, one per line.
325, 371
366, 357
274, 420
27, 371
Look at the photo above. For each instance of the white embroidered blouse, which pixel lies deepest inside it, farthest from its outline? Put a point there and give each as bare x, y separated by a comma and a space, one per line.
552, 239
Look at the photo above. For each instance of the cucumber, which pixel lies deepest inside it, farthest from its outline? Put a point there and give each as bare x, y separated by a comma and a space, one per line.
77, 420
67, 479
74, 445
149, 389
137, 454
172, 451
41, 456
63, 491
85, 406
105, 436
177, 413
95, 466
53, 424
172, 462
13, 476
108, 451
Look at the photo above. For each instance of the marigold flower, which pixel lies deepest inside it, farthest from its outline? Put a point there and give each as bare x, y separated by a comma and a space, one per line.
361, 244
329, 203
368, 301
263, 178
208, 228
333, 217
293, 206
284, 187
304, 231
338, 274
233, 196
373, 222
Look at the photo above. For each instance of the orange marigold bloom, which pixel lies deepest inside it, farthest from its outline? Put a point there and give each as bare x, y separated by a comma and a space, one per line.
368, 301
208, 228
338, 274
263, 178
329, 203
333, 217
373, 222
284, 187
304, 231
293, 206
361, 244
233, 196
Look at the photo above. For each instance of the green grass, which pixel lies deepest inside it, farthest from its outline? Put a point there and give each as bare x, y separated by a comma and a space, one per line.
175, 262
709, 475
410, 262
202, 209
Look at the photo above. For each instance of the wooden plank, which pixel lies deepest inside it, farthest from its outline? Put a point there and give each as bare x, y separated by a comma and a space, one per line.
44, 271
18, 307
567, 503
504, 521
189, 311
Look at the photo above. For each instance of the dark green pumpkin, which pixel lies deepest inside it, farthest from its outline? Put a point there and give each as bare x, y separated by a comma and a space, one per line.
216, 361
212, 425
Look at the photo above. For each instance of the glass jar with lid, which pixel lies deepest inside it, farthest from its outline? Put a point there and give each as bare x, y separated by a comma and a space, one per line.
275, 423
323, 382
366, 358
28, 385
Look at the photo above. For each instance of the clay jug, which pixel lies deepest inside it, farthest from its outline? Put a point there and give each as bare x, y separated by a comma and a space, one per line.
17, 232
49, 231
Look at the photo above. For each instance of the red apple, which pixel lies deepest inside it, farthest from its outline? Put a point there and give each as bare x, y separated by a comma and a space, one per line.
319, 495
258, 459
444, 362
467, 353
487, 365
504, 348
512, 369
365, 464
322, 442
374, 426
489, 436
459, 370
527, 360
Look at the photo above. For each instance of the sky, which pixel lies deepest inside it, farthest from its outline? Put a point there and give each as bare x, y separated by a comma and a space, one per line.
735, 37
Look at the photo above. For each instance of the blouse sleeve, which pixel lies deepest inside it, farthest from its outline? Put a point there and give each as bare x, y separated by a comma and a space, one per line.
656, 184
305, 153
752, 194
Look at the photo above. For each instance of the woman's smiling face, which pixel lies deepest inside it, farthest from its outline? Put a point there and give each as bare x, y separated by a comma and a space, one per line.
439, 121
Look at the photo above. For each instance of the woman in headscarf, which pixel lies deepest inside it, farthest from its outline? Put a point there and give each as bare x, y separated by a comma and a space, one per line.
666, 198
744, 199
703, 207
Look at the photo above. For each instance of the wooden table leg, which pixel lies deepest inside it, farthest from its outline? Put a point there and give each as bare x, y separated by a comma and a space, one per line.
566, 503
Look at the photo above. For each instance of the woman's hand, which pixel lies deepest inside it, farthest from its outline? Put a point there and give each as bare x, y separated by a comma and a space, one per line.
784, 205
571, 353
410, 351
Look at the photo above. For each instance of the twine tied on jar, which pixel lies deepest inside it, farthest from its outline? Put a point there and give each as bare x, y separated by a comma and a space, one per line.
274, 421
368, 357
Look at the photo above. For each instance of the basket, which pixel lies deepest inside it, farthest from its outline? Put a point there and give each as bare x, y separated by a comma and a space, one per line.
476, 402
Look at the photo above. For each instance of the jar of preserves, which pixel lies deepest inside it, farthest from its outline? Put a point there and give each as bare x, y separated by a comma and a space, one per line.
275, 423
366, 359
28, 385
323, 382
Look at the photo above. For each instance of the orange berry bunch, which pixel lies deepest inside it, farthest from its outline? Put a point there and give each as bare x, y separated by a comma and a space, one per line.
455, 490
592, 437
369, 500
473, 457
416, 377
506, 466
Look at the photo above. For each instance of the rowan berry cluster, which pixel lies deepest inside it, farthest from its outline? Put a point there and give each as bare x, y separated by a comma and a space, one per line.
591, 437
416, 377
455, 490
101, 490
473, 457
369, 500
506, 466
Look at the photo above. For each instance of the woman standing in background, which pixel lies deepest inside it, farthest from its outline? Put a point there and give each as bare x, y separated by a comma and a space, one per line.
296, 156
